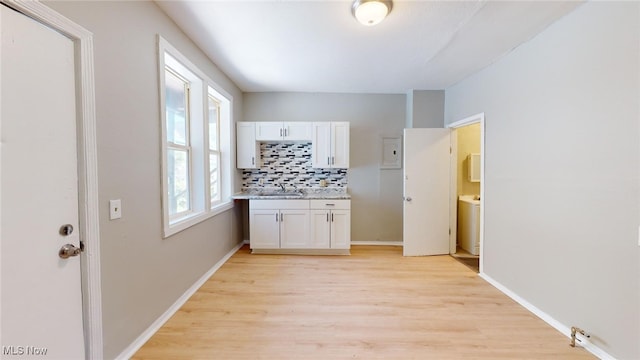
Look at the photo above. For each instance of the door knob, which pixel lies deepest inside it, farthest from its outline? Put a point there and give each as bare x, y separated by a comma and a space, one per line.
69, 250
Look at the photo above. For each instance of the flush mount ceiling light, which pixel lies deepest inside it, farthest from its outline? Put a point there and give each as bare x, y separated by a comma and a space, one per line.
371, 12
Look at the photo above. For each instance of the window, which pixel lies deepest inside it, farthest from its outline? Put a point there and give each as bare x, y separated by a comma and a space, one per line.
196, 141
178, 147
214, 150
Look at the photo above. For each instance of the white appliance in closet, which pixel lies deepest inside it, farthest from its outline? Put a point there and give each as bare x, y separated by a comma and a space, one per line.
469, 223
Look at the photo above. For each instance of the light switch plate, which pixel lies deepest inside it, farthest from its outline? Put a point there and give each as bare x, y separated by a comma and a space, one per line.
115, 209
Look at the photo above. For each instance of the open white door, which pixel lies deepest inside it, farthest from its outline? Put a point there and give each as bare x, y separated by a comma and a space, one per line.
426, 192
41, 298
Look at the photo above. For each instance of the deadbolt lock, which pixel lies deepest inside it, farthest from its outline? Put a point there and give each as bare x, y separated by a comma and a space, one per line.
66, 230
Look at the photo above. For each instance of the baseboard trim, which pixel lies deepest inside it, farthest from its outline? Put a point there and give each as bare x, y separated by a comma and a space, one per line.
368, 243
301, 251
562, 328
153, 328
382, 243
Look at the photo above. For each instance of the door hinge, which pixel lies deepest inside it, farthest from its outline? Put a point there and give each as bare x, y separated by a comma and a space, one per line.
450, 150
449, 231
81, 245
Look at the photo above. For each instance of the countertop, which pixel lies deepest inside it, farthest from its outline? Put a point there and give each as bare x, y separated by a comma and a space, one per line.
304, 194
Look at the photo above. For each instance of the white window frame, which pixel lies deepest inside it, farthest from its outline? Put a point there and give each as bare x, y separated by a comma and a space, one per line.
212, 95
186, 147
200, 88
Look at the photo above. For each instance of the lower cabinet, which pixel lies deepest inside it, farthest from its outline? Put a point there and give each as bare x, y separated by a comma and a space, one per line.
294, 229
279, 224
331, 224
299, 224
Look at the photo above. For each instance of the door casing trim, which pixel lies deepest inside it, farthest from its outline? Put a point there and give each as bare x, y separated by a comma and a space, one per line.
88, 204
477, 118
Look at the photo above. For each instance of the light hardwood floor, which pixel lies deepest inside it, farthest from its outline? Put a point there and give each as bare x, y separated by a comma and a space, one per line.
374, 304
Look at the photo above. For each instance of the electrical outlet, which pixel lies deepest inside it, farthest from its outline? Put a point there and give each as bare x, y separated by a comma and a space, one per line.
115, 209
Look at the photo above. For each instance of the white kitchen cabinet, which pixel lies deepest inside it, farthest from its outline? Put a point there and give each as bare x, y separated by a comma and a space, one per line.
340, 229
297, 131
320, 235
330, 145
247, 149
321, 145
330, 224
295, 226
283, 131
265, 229
294, 229
279, 224
268, 131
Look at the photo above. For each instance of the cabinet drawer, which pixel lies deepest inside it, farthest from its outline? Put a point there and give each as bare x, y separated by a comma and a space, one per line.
282, 204
330, 204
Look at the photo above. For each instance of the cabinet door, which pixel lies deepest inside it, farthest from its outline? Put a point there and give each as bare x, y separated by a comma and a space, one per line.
340, 145
341, 229
294, 229
247, 148
264, 229
269, 131
320, 233
321, 146
297, 131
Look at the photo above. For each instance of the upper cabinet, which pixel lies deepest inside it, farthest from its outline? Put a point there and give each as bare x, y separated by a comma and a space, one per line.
283, 131
247, 149
330, 147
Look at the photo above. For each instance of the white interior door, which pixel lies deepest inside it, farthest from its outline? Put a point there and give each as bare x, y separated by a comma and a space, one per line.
41, 311
425, 223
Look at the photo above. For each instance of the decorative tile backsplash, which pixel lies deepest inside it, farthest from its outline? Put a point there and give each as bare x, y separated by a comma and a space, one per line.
290, 164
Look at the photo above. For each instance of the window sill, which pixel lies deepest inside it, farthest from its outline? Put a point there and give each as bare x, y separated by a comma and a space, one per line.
195, 218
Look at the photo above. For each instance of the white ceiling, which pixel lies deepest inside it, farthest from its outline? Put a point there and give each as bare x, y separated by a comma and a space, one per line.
317, 46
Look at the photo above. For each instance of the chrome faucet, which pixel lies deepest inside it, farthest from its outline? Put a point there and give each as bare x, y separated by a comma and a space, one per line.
282, 187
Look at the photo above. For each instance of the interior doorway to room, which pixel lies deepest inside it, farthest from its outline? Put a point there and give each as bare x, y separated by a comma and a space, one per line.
467, 191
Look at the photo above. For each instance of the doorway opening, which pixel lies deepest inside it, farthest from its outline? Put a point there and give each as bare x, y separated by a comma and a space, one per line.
467, 191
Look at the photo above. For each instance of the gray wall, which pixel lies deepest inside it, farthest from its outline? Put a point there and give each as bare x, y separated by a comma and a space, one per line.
142, 273
562, 171
425, 109
376, 213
